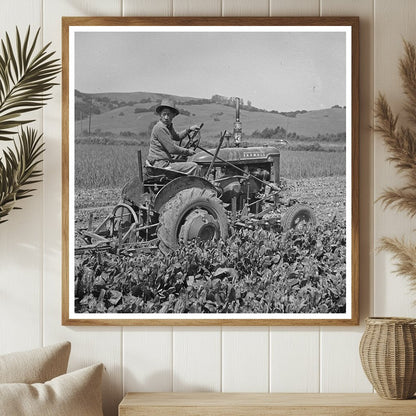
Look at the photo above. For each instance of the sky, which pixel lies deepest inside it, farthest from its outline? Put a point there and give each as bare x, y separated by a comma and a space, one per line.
283, 71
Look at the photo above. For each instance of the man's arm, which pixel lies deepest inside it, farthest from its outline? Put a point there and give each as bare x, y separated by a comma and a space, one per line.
183, 133
165, 138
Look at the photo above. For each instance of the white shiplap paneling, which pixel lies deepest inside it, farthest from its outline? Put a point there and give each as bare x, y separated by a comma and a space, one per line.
21, 13
294, 351
294, 8
147, 359
196, 359
245, 8
245, 359
197, 8
341, 370
147, 7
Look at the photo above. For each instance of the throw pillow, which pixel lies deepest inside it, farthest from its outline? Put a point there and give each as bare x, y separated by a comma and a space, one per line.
73, 394
35, 366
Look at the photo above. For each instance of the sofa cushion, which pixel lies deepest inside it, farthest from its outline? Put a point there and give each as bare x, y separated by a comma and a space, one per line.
73, 394
35, 366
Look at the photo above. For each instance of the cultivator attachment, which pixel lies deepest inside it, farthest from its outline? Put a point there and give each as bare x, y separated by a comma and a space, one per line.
122, 230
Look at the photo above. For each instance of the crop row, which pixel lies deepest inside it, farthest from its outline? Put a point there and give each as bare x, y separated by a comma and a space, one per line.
254, 271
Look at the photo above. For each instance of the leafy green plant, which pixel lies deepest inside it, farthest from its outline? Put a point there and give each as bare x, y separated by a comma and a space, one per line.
254, 271
26, 77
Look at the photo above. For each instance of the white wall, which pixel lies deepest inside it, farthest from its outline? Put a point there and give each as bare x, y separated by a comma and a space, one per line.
261, 359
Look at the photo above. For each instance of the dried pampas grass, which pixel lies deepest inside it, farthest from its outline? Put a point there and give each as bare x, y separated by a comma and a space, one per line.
401, 143
405, 256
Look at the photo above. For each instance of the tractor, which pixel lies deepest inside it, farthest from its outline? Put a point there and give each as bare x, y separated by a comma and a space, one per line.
237, 186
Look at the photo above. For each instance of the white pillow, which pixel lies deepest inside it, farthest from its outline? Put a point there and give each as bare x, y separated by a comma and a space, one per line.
35, 366
73, 394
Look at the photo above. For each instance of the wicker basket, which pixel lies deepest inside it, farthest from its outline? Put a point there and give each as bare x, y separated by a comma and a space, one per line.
388, 356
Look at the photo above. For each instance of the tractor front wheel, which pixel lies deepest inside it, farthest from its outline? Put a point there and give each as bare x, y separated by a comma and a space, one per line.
298, 216
192, 213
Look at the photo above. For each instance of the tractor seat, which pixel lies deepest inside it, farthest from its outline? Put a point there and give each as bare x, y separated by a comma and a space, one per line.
160, 175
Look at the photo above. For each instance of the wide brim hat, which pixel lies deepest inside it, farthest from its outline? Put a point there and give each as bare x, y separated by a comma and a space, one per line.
167, 103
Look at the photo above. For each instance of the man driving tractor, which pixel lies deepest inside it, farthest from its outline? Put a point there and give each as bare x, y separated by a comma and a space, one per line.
163, 138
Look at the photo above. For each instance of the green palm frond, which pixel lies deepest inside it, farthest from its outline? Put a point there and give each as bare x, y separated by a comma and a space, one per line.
26, 78
20, 169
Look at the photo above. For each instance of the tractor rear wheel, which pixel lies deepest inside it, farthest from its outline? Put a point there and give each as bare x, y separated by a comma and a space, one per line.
299, 216
192, 213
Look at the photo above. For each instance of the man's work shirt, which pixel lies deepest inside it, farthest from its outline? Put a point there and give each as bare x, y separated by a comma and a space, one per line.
162, 145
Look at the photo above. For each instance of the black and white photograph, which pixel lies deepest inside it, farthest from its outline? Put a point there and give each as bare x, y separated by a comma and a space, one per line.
210, 173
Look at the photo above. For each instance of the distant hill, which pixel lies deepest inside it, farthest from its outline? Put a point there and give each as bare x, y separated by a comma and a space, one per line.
133, 113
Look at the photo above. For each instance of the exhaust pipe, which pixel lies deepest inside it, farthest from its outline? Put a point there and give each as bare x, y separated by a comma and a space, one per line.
238, 131
237, 109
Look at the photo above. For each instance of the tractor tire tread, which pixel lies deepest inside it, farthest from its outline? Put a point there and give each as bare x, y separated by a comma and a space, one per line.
295, 210
175, 209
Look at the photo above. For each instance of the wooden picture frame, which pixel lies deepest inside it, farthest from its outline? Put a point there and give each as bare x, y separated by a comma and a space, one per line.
306, 70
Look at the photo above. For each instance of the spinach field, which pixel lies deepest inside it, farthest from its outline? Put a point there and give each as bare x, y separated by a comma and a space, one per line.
254, 271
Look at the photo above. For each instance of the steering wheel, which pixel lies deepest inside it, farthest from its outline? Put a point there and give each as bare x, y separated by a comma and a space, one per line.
193, 139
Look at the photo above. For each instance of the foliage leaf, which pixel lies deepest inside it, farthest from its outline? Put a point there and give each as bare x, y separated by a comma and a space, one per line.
25, 79
225, 276
18, 169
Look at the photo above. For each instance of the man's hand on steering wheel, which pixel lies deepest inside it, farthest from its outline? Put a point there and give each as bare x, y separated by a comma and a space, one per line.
194, 128
193, 136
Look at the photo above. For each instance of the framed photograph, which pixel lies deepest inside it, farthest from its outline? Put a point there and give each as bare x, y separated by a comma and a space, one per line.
210, 171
